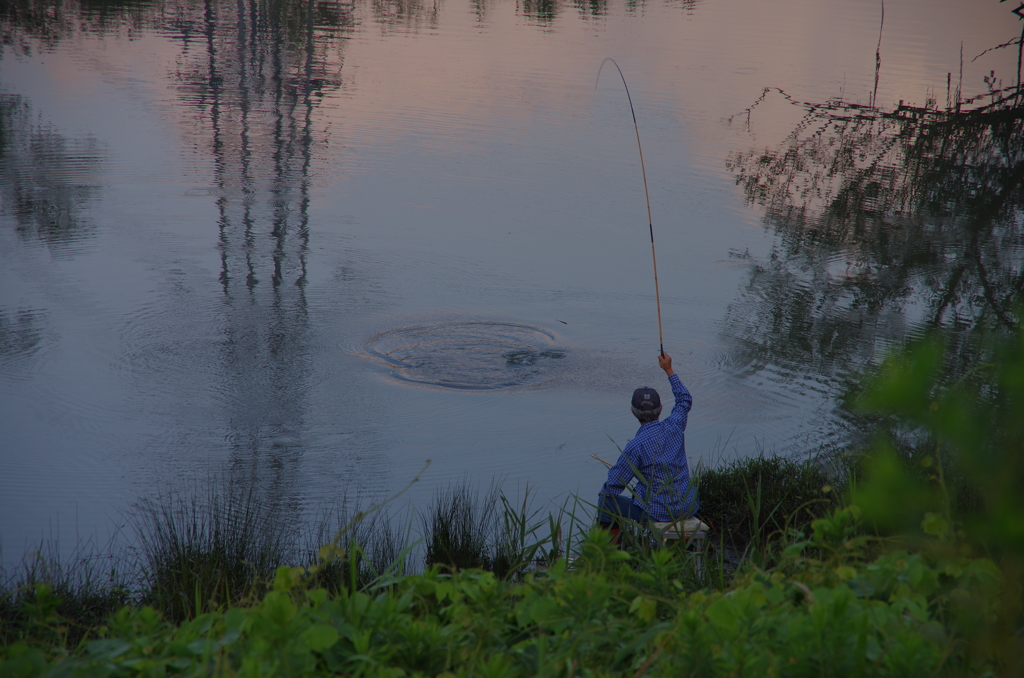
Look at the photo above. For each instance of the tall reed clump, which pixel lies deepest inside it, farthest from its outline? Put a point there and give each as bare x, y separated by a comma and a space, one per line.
200, 551
464, 530
459, 529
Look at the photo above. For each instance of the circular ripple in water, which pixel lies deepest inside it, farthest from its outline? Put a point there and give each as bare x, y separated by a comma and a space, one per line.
468, 355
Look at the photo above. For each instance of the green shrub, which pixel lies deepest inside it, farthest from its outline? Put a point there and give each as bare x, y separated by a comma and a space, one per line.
607, 615
957, 488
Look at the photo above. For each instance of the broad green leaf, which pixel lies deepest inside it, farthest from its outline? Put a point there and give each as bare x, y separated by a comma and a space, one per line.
278, 607
287, 578
319, 637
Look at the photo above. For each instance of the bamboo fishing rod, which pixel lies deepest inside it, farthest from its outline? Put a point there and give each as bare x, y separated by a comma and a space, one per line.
643, 171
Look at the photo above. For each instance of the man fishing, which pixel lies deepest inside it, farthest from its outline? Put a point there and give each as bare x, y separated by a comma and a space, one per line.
656, 456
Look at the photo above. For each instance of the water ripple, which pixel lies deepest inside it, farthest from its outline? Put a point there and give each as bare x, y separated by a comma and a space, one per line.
468, 355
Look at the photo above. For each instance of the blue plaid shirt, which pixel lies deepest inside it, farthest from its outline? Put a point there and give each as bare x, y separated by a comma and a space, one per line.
656, 456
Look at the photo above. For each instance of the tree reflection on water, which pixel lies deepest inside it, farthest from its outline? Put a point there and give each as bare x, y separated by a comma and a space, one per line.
248, 77
887, 224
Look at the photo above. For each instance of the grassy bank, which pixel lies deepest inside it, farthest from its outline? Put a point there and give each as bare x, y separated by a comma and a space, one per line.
825, 609
203, 549
832, 603
495, 597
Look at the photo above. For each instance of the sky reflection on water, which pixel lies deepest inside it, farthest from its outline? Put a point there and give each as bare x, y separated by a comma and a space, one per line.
210, 209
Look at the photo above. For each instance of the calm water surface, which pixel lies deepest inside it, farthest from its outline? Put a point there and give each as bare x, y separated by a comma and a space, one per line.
317, 244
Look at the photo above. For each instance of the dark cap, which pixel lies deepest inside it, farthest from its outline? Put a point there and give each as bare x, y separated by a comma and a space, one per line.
646, 398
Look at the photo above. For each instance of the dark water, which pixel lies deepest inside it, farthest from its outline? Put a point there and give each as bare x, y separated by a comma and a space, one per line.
315, 244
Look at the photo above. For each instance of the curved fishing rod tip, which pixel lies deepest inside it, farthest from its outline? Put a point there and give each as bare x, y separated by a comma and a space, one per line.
601, 67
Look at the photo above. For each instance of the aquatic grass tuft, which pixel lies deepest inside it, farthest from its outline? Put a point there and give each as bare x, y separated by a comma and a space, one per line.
459, 527
200, 551
464, 529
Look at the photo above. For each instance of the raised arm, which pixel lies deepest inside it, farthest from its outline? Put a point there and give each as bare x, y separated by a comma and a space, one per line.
681, 408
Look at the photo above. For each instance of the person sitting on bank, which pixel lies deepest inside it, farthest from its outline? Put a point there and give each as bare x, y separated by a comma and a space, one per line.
656, 456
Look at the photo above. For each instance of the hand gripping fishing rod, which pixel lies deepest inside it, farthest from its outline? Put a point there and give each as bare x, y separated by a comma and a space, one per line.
643, 171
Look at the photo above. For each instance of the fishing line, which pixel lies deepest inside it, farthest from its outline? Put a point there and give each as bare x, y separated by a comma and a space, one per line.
643, 171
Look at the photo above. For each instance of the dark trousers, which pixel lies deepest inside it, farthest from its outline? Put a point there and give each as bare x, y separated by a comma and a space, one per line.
611, 506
